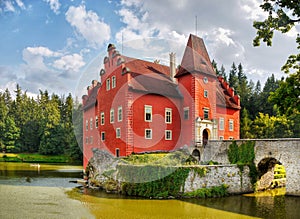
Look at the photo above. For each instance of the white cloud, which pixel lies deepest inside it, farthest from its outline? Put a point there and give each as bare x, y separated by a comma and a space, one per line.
9, 6
54, 5
20, 4
69, 62
293, 32
130, 3
43, 51
252, 9
88, 25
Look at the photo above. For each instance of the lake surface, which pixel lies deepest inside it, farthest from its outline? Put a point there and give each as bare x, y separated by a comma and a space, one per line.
29, 191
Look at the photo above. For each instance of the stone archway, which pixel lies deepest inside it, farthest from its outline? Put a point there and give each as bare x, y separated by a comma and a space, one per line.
196, 154
269, 174
205, 137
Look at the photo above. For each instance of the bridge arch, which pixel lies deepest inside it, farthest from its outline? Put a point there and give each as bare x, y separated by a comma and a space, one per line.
196, 154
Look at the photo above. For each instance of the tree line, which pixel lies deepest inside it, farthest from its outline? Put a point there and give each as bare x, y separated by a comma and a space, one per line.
271, 111
48, 124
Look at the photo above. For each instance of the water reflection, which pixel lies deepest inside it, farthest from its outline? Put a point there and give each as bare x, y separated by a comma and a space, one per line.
263, 205
43, 175
103, 205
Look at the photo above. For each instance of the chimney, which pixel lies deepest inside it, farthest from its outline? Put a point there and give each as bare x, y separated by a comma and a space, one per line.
172, 66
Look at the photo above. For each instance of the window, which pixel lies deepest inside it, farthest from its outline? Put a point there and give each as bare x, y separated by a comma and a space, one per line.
231, 125
148, 133
112, 116
205, 93
205, 113
96, 122
91, 124
102, 118
103, 136
108, 84
221, 138
205, 80
221, 124
113, 82
86, 140
120, 114
168, 115
117, 152
86, 125
118, 133
230, 138
186, 112
168, 135
91, 140
148, 113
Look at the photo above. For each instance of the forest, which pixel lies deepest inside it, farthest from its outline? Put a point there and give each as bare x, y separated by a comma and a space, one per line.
48, 125
268, 111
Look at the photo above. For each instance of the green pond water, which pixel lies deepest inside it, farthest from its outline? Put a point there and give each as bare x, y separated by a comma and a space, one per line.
29, 191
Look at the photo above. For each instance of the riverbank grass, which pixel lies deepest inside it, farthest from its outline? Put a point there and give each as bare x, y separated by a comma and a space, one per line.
33, 158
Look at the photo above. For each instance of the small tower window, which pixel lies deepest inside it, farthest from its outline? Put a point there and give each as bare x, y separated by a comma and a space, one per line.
205, 93
205, 113
148, 113
148, 133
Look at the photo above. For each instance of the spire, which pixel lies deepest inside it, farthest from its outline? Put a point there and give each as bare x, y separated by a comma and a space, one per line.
195, 58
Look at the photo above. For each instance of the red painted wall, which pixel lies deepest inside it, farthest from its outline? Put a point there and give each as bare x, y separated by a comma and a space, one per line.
91, 138
157, 125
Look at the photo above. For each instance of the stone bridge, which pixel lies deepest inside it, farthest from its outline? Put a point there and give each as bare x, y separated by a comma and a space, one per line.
284, 151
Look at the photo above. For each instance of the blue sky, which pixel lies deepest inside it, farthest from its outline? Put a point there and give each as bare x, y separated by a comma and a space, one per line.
59, 45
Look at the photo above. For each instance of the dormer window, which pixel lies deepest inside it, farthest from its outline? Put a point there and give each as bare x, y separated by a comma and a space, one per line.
113, 81
108, 84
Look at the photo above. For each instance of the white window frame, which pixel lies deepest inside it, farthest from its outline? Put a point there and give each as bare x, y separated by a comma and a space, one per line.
118, 132
102, 136
102, 118
231, 125
86, 125
107, 84
168, 118
146, 108
146, 136
91, 123
221, 124
205, 110
112, 116
166, 135
221, 138
186, 111
120, 114
96, 122
113, 81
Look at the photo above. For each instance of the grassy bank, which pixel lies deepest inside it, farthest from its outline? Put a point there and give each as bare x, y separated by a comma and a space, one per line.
33, 158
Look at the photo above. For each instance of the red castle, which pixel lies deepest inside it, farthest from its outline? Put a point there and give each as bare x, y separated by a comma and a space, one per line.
142, 106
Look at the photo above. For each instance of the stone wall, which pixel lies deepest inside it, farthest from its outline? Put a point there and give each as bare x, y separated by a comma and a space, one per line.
103, 172
217, 175
286, 151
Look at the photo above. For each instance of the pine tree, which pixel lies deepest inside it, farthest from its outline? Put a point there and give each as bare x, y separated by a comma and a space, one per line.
233, 79
223, 73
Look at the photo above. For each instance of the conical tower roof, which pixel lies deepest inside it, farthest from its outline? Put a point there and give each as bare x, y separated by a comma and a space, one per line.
195, 58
